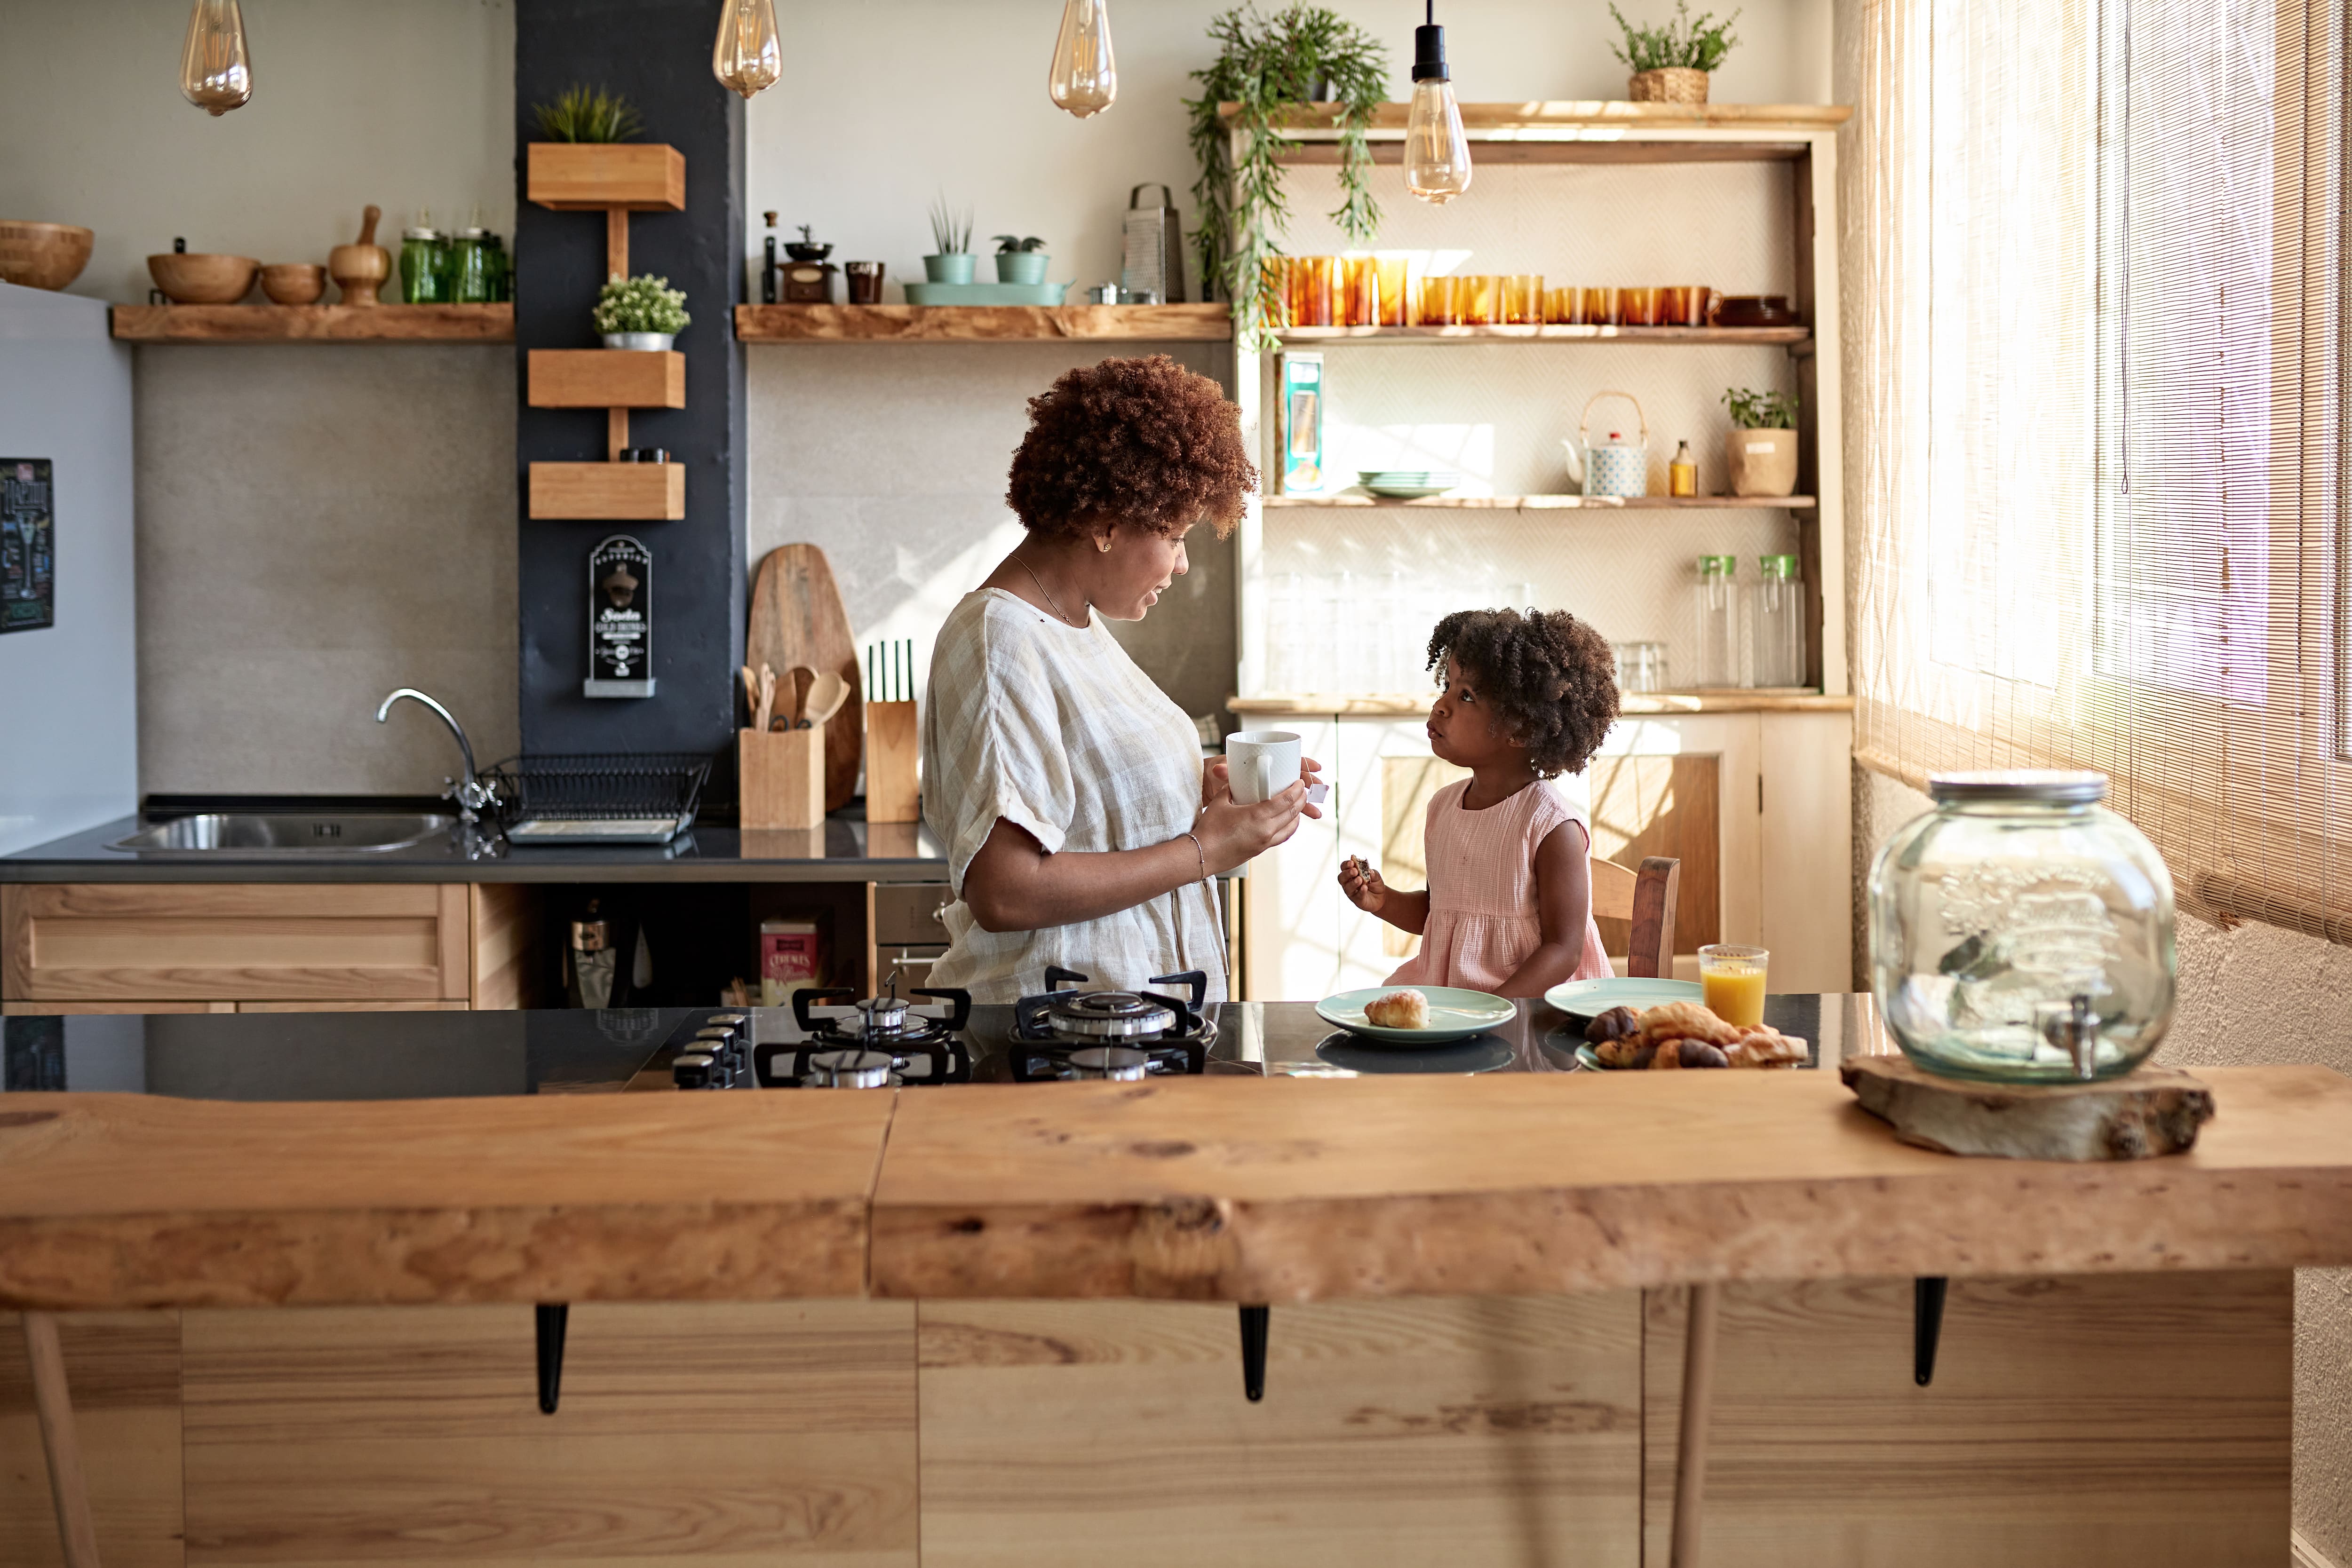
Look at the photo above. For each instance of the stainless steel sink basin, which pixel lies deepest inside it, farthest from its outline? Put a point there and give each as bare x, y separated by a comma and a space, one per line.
287, 833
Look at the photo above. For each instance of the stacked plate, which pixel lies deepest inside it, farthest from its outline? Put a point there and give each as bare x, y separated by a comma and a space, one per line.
1408, 483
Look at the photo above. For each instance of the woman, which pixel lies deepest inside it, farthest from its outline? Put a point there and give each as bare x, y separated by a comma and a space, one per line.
1081, 827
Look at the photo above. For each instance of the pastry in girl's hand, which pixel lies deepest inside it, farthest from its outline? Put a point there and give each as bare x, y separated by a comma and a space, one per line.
1398, 1009
1765, 1046
1615, 1024
1686, 1021
1680, 1053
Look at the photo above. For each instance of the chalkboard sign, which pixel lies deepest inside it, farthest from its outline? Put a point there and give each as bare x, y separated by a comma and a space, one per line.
620, 620
29, 545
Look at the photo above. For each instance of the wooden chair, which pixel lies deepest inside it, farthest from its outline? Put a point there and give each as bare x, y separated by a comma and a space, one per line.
1646, 897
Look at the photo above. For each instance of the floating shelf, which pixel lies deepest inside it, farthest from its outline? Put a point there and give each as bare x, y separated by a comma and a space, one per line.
1403, 705
608, 492
980, 323
1561, 503
1586, 114
606, 378
1689, 337
314, 323
578, 176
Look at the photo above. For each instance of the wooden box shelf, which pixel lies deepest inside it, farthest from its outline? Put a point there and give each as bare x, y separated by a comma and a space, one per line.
608, 492
314, 323
607, 378
573, 177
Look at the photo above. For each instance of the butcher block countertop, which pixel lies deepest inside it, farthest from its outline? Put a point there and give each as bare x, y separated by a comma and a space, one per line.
1242, 1189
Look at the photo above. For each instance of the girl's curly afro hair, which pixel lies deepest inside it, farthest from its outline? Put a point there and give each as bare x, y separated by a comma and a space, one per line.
1549, 676
1141, 442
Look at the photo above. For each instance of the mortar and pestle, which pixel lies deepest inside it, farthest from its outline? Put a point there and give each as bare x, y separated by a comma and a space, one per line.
359, 270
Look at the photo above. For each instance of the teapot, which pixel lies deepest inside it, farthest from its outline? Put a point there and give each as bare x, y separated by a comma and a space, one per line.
1613, 466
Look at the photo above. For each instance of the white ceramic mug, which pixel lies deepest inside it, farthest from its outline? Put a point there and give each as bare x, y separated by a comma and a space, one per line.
1261, 763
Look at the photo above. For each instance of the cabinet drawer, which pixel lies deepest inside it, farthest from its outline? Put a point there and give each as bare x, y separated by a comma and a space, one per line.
232, 942
908, 912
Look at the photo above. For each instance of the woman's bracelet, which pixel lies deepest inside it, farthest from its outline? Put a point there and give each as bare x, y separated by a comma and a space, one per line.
1199, 851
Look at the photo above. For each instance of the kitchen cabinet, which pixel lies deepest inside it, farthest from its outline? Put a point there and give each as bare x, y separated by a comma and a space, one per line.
1756, 805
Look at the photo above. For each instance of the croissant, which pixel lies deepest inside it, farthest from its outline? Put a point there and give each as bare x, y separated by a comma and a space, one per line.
1398, 1009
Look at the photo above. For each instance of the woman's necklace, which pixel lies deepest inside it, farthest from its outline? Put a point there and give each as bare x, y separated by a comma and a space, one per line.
1047, 593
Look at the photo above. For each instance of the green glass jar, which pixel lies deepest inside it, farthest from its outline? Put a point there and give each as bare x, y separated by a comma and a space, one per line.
424, 273
501, 270
470, 278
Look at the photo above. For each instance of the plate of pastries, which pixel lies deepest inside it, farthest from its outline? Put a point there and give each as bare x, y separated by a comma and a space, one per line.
1679, 1035
1416, 1015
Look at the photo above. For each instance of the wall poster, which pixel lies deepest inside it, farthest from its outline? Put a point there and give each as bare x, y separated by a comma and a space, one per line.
28, 546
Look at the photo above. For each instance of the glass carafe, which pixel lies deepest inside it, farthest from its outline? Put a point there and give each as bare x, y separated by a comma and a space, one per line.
1776, 624
1717, 622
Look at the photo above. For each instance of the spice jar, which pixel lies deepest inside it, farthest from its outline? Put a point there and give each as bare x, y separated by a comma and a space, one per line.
423, 278
471, 281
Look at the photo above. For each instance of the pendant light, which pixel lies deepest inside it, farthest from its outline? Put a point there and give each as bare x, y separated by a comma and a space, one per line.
748, 57
216, 75
1436, 153
1085, 78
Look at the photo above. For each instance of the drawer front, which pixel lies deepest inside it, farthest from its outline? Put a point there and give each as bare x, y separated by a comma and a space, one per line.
908, 912
232, 942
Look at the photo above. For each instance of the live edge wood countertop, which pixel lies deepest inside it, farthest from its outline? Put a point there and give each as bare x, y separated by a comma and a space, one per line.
1220, 1189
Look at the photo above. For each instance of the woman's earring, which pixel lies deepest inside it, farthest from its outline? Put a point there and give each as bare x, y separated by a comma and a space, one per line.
1103, 544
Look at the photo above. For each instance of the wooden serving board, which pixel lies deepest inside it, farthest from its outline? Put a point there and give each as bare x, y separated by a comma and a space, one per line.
2154, 1111
797, 618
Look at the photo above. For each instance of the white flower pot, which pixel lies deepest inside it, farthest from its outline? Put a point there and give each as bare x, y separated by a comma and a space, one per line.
649, 342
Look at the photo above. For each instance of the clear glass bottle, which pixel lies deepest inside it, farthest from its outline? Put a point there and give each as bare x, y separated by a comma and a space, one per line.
1776, 623
1716, 629
2023, 932
1682, 472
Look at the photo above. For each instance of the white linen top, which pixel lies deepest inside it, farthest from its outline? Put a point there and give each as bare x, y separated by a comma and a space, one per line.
1055, 729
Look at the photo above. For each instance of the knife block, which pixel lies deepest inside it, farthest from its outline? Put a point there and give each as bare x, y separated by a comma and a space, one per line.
780, 775
892, 742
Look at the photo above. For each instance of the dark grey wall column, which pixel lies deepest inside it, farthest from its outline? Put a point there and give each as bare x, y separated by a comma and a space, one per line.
658, 52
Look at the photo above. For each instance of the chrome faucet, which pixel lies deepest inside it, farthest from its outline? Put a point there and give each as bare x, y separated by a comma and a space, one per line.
470, 793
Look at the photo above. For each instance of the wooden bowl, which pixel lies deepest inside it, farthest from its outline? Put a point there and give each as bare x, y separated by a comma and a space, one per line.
294, 282
43, 255
191, 278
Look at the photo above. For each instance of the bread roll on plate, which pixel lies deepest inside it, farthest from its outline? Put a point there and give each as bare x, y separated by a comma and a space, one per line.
1398, 1009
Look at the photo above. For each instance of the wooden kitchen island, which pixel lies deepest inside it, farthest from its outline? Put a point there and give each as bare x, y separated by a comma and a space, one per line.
994, 1324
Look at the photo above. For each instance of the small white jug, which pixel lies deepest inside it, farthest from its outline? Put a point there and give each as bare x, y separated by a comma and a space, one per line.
1614, 466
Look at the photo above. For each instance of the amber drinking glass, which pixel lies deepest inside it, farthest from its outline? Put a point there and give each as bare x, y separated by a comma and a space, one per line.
1563, 307
1600, 306
1388, 277
1478, 300
1522, 298
1359, 304
1311, 289
1637, 307
1684, 306
1437, 295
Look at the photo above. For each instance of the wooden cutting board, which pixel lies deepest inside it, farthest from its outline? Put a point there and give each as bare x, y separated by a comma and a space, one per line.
797, 618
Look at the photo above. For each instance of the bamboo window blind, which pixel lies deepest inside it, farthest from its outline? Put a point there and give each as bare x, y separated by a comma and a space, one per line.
2098, 481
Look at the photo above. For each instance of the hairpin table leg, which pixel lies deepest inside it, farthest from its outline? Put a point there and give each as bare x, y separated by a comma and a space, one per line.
53, 1402
1698, 1401
1927, 1325
552, 1319
1255, 1322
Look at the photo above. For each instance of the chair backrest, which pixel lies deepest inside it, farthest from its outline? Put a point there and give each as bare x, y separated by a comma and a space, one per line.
1646, 898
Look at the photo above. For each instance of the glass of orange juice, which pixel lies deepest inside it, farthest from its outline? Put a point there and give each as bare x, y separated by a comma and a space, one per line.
1731, 982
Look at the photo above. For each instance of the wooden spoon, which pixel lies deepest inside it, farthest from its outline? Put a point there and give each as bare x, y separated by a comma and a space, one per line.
826, 693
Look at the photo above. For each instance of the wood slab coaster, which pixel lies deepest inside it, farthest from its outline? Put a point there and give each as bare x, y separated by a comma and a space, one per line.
132, 1200
2154, 1111
797, 618
1287, 1191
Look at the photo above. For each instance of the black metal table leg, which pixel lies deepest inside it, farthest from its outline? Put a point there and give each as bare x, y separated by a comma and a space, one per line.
552, 1319
1927, 1325
1255, 1321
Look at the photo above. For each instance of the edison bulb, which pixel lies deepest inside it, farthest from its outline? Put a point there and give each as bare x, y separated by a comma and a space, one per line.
1085, 78
747, 57
1437, 153
215, 73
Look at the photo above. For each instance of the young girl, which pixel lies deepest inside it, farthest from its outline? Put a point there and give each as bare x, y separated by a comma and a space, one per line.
1509, 903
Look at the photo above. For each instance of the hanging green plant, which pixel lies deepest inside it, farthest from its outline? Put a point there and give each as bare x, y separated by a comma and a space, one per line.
1268, 65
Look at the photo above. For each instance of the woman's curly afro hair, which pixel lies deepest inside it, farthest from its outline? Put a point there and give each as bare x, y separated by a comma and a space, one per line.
1548, 676
1141, 442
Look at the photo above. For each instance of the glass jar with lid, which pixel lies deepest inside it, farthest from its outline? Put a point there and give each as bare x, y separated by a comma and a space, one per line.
2023, 932
1776, 623
1716, 628
424, 277
473, 278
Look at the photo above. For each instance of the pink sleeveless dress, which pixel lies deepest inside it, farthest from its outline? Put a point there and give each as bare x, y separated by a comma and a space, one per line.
1482, 922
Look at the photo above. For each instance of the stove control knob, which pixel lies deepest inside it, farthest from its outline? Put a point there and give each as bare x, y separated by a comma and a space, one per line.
1119, 1064
695, 1070
731, 1020
849, 1070
718, 1041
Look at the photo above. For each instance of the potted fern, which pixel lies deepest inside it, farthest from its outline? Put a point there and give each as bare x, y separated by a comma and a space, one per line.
1020, 260
1759, 454
950, 260
1669, 62
641, 312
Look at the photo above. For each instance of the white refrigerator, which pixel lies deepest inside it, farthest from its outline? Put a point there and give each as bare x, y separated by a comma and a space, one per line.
69, 650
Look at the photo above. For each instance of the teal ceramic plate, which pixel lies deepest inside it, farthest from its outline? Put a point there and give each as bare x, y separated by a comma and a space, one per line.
1585, 999
1454, 1014
1408, 492
986, 293
1590, 1059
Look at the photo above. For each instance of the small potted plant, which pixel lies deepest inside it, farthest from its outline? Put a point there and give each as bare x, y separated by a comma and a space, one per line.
1759, 454
587, 155
1021, 260
950, 260
1670, 63
641, 312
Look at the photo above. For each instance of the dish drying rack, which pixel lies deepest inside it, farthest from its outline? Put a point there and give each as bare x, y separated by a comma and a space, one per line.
595, 798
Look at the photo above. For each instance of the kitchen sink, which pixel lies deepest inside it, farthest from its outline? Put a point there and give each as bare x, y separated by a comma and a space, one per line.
287, 833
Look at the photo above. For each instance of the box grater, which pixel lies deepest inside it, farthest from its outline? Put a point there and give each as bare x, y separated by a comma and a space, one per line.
1154, 267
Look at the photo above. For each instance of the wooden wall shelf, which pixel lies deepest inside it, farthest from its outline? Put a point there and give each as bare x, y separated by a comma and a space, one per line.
633, 176
1688, 337
314, 323
1407, 705
980, 323
1560, 503
608, 492
1589, 114
606, 378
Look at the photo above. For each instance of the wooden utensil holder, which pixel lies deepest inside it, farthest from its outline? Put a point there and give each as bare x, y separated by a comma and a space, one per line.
781, 777
893, 740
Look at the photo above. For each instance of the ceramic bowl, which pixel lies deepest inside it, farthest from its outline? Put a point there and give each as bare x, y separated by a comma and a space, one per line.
192, 278
294, 282
43, 255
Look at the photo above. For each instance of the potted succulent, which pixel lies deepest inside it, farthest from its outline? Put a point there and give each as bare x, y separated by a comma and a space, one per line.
1759, 454
1021, 260
1670, 63
641, 312
587, 155
950, 260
